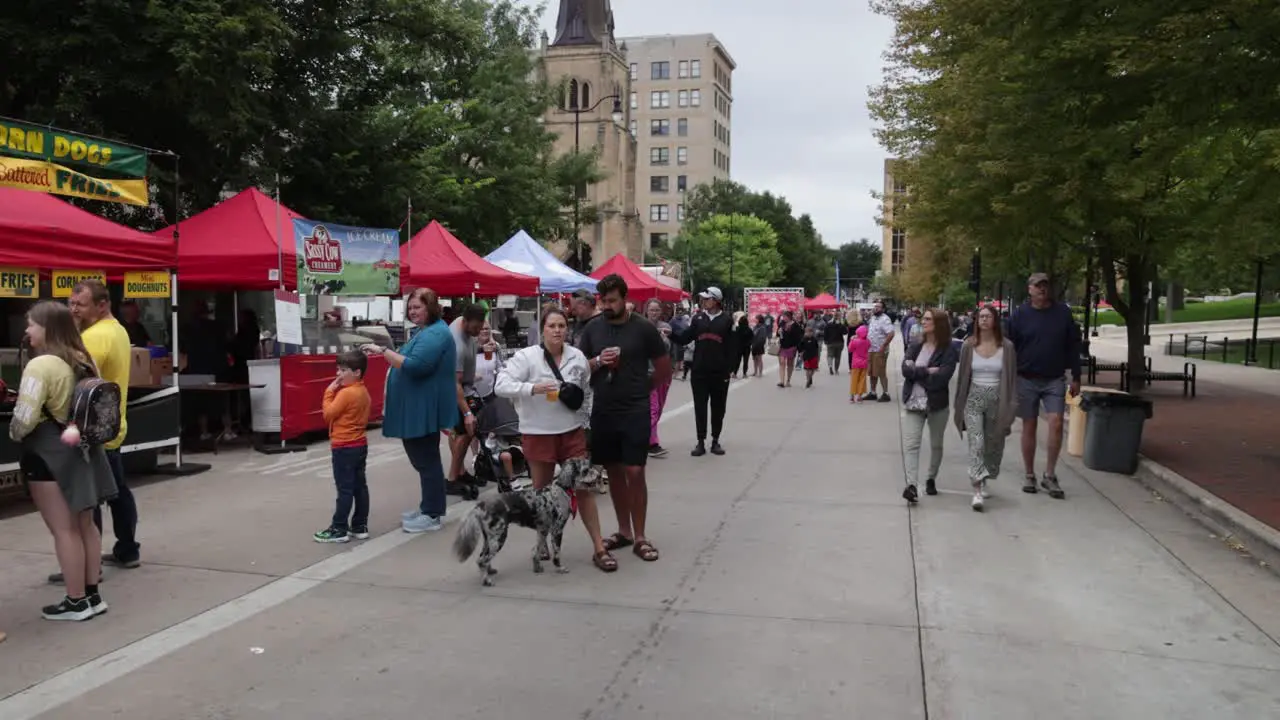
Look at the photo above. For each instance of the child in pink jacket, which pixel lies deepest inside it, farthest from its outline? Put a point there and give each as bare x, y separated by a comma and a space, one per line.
859, 347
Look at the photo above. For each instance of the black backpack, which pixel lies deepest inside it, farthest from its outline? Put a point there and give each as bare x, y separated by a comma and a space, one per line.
95, 408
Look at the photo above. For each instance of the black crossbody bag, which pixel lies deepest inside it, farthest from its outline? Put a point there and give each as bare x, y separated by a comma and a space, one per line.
570, 395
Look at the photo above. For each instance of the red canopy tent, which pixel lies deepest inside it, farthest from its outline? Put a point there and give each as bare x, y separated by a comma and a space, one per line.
822, 302
640, 284
232, 245
41, 231
435, 259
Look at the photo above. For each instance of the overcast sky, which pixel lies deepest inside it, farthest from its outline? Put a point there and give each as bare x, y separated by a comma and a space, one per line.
800, 123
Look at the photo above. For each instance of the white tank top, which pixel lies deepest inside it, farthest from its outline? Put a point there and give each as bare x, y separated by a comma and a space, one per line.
986, 371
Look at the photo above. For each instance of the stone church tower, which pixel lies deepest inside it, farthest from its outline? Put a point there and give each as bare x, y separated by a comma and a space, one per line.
585, 58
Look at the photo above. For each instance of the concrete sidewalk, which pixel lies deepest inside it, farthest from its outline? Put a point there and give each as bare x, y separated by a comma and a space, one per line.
794, 583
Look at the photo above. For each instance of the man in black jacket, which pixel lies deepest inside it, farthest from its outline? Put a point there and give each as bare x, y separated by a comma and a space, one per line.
714, 357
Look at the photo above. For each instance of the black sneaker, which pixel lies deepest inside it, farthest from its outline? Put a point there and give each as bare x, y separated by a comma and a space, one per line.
699, 450
657, 451
930, 487
97, 604
1029, 485
885, 398
332, 535
111, 560
359, 532
715, 448
911, 495
68, 609
870, 397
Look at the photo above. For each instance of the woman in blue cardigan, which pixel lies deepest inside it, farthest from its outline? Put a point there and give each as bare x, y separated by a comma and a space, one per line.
421, 401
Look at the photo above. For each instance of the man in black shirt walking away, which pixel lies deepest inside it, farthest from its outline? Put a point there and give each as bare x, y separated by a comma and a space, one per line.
619, 346
1048, 344
714, 357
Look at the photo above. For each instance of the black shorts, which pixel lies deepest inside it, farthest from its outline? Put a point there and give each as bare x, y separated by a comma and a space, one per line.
475, 405
619, 438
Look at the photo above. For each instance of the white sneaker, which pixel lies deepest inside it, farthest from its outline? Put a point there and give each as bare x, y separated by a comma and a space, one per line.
982, 489
977, 502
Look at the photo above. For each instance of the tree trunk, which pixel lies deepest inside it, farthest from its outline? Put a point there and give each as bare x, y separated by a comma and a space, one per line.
1135, 320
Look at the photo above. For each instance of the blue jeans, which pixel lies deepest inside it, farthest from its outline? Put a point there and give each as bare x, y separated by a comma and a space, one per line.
353, 487
424, 456
124, 513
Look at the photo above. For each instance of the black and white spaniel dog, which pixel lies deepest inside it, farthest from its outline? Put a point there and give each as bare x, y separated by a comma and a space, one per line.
547, 511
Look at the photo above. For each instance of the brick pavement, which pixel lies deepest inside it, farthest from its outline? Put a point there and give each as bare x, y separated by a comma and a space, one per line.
1223, 440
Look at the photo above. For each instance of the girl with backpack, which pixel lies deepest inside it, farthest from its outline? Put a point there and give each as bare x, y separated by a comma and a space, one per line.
65, 470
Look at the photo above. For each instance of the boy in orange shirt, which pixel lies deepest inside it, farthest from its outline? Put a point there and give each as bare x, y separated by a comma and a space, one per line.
346, 409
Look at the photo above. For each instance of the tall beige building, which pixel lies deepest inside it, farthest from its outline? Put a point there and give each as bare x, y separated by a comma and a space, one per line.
681, 105
893, 241
588, 61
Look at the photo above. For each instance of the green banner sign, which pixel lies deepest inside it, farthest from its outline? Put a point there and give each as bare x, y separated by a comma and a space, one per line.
31, 141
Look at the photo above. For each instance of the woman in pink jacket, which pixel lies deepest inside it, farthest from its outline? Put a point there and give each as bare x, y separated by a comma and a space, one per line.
859, 349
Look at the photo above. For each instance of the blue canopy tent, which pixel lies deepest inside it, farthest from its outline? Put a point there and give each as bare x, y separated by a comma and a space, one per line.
526, 256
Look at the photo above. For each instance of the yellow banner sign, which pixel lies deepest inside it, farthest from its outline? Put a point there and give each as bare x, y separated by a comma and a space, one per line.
47, 177
64, 281
146, 284
16, 282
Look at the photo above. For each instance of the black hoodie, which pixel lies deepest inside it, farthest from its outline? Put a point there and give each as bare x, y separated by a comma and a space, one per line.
714, 345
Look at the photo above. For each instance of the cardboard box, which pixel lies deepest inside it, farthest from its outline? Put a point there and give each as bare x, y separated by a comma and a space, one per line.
140, 367
161, 370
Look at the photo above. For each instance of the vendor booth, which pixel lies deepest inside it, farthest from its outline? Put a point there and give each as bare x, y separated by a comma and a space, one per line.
249, 244
435, 259
824, 301
641, 286
46, 247
522, 254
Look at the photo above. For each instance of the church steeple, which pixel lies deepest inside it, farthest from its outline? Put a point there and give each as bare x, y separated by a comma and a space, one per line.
584, 22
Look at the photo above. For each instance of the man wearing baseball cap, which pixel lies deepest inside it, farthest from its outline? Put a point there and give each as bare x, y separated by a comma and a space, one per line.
1047, 343
714, 357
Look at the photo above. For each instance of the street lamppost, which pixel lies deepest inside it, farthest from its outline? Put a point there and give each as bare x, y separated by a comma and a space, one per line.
578, 189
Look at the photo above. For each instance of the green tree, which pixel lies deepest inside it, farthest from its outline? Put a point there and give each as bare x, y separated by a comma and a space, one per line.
806, 261
730, 251
859, 260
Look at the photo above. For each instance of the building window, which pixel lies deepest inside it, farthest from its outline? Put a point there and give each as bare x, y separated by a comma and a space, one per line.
695, 69
898, 249
659, 213
680, 212
659, 156
633, 128
635, 101
695, 98
659, 183
660, 71
573, 94
682, 127
899, 187
635, 71
657, 240
586, 95
684, 98
659, 99
684, 69
659, 127
682, 156
682, 183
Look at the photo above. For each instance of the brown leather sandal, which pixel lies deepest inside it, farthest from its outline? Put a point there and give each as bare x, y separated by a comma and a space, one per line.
605, 561
617, 541
645, 551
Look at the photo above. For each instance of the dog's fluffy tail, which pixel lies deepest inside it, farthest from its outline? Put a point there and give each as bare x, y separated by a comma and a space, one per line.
470, 533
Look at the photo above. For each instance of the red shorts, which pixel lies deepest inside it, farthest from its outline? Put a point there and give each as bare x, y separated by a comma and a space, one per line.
811, 364
555, 448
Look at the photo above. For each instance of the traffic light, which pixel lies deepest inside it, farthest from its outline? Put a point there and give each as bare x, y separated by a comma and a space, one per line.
975, 272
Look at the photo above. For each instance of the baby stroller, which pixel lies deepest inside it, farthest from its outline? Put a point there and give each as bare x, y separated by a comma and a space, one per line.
498, 430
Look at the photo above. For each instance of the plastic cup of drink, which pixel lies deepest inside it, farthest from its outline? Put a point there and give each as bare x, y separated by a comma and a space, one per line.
553, 396
488, 354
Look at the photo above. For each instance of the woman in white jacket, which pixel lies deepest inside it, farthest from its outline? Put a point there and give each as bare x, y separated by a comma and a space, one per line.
551, 431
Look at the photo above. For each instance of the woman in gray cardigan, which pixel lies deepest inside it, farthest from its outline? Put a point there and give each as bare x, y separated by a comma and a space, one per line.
926, 392
986, 398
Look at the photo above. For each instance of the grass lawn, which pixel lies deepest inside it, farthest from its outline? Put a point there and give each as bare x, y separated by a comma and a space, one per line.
1201, 312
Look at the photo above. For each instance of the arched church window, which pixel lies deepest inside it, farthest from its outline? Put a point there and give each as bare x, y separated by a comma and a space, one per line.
586, 94
573, 94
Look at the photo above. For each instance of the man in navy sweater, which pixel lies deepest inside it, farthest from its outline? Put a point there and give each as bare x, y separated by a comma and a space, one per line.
1048, 345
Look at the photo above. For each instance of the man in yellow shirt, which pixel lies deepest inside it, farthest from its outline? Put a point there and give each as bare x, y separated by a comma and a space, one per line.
108, 343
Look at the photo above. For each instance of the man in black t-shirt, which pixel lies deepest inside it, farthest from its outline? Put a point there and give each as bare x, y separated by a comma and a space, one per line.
619, 346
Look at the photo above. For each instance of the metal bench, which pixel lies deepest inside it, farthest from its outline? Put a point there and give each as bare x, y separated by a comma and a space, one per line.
1187, 377
1094, 367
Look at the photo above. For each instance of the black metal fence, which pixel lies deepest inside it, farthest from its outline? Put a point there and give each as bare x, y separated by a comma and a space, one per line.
1224, 350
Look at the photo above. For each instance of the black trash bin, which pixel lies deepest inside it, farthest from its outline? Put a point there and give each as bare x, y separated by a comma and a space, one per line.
1113, 434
